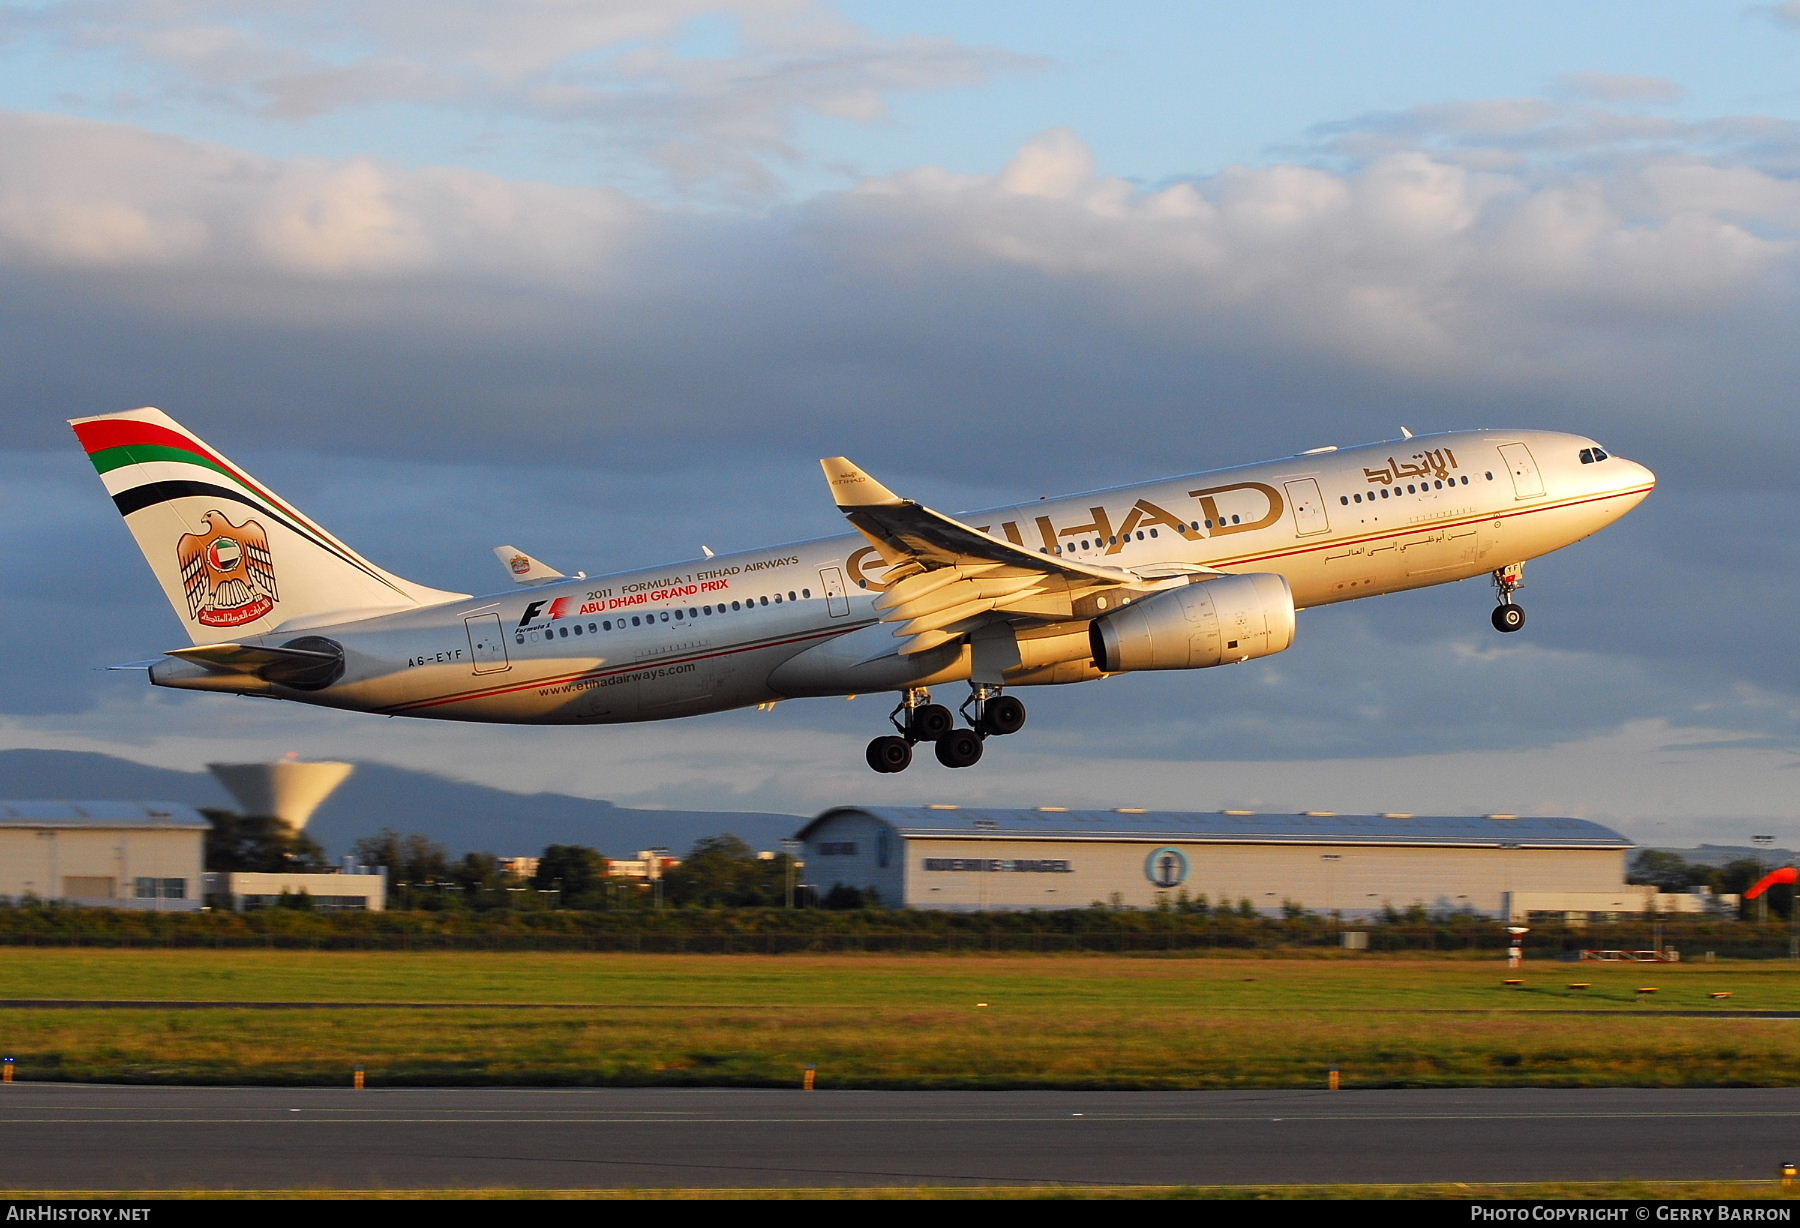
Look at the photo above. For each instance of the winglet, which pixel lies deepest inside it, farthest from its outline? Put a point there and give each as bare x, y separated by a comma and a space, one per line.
851, 487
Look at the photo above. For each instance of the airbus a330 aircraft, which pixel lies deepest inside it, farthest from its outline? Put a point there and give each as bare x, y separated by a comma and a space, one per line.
1183, 573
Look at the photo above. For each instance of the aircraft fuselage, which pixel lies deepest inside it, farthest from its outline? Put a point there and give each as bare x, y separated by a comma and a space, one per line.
785, 621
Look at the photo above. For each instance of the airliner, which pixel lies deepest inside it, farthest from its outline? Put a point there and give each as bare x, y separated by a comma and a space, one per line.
1181, 573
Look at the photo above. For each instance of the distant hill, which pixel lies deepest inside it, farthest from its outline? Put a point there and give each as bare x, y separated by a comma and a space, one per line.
1719, 854
463, 817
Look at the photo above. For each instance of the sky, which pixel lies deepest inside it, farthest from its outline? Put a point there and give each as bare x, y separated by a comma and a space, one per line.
604, 279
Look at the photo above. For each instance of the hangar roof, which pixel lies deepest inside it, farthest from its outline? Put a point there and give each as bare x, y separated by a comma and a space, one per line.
1236, 826
172, 816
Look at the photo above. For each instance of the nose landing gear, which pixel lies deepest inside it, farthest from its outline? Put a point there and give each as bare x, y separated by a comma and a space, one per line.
1508, 616
916, 719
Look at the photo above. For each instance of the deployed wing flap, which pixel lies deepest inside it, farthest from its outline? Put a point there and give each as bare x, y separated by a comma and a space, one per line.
947, 579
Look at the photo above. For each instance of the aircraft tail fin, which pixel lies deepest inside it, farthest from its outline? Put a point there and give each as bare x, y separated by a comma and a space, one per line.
233, 558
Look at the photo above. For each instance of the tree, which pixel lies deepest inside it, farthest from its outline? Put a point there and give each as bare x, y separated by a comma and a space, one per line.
260, 843
412, 857
412, 862
844, 896
575, 872
1666, 871
724, 872
483, 880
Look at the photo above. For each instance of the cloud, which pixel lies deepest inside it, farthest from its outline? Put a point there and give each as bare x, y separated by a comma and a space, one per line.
709, 91
1619, 87
1544, 139
1785, 15
80, 194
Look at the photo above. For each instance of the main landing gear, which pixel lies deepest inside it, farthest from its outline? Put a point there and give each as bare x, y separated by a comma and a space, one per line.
989, 713
1509, 616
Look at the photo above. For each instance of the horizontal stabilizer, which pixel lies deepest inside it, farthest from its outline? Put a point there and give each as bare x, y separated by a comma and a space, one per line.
284, 665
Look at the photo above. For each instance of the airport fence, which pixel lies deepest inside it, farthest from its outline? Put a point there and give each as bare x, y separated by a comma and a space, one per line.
873, 931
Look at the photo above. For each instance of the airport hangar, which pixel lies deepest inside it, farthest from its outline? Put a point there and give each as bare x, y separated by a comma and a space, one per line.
146, 855
1356, 865
103, 854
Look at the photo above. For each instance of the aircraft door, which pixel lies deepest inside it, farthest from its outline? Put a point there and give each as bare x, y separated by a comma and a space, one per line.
487, 643
837, 605
1528, 483
1308, 505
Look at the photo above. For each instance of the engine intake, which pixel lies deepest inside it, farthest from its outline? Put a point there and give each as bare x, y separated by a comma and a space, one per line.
1213, 622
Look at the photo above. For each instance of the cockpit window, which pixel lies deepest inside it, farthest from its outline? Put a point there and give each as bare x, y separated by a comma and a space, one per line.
1591, 456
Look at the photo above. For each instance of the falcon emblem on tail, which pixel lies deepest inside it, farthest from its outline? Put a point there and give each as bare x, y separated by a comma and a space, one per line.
227, 571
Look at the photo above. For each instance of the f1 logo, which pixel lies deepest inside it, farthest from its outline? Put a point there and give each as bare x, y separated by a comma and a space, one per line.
558, 608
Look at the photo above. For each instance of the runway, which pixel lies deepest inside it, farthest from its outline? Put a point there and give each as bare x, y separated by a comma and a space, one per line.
61, 1136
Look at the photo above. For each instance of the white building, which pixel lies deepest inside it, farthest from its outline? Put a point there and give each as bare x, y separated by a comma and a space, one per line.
1355, 865
354, 888
103, 854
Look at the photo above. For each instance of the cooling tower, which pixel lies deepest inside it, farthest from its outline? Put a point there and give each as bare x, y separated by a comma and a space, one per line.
287, 788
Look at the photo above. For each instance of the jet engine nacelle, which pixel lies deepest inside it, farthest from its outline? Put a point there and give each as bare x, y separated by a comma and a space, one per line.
1214, 622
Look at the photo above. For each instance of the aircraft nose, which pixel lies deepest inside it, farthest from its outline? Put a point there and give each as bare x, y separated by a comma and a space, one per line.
1635, 481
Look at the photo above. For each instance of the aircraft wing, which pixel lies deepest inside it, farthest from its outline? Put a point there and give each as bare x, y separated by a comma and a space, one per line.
947, 579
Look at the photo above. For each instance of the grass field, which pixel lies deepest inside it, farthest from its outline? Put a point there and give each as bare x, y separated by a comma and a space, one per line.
880, 1021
